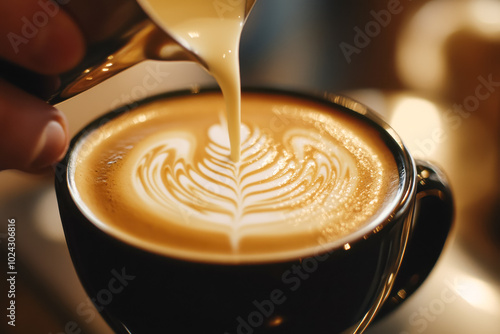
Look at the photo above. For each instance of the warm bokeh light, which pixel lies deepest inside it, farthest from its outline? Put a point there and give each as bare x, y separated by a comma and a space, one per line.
485, 17
418, 122
479, 294
421, 59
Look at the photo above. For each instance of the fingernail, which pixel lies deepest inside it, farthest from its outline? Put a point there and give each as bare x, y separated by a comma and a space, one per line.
53, 145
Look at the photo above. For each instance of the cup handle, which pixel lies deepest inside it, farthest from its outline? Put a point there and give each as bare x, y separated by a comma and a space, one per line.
434, 217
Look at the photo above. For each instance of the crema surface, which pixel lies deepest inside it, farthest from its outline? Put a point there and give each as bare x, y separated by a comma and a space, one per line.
161, 177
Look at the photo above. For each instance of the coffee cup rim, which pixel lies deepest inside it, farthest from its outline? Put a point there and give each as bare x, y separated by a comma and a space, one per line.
391, 212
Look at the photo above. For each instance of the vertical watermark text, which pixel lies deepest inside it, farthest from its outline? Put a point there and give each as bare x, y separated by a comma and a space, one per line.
11, 272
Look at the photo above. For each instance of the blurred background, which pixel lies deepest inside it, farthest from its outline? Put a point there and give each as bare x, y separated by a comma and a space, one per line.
430, 68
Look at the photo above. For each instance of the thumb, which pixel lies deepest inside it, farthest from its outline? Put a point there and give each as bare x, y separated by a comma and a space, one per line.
33, 134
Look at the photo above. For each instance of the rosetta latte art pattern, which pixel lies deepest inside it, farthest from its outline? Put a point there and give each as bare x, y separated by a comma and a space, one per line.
276, 180
310, 176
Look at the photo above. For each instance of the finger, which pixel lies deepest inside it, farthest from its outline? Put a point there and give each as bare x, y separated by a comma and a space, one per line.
39, 35
33, 134
42, 86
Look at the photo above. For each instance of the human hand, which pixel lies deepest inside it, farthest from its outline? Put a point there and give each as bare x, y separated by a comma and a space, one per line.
39, 36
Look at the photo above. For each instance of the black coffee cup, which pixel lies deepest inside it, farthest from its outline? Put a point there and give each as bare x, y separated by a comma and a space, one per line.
335, 289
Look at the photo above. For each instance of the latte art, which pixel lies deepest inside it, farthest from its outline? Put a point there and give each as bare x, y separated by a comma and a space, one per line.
308, 176
277, 180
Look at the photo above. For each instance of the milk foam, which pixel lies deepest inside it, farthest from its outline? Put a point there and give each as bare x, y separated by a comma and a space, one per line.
307, 173
161, 176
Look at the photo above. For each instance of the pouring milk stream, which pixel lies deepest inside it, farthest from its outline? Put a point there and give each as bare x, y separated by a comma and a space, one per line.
211, 30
